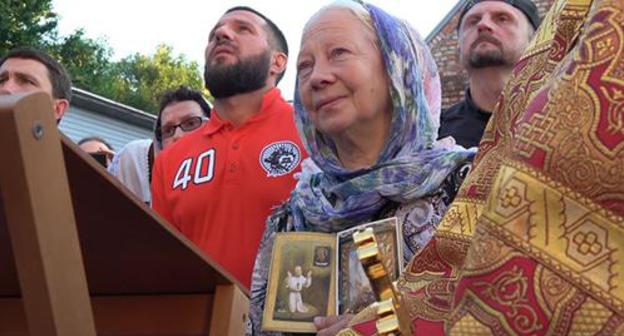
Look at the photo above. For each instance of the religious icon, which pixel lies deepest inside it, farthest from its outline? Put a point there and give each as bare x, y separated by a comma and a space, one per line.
354, 292
321, 256
301, 282
306, 268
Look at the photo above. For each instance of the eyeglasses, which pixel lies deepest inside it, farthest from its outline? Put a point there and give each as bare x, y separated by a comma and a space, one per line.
187, 126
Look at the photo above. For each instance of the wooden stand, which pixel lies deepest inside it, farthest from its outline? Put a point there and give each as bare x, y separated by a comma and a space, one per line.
80, 255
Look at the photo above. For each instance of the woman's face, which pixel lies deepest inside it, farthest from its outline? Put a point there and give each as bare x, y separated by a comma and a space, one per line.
342, 81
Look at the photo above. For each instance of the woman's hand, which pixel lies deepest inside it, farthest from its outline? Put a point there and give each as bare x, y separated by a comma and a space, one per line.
331, 325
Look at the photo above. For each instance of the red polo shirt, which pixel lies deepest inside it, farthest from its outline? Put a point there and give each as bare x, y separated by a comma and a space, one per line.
218, 184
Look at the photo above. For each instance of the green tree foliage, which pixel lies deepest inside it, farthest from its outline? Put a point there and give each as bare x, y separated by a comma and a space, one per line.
137, 80
87, 60
26, 22
140, 80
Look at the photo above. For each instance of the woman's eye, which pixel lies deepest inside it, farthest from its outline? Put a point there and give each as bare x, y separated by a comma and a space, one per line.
338, 52
303, 67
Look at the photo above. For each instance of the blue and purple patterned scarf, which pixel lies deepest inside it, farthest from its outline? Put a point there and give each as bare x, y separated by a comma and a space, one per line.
412, 164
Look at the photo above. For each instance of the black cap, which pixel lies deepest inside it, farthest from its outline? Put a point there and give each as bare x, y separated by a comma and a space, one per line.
525, 6
281, 40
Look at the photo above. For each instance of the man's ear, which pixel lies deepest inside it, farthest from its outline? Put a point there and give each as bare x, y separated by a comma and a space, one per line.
60, 107
460, 48
278, 64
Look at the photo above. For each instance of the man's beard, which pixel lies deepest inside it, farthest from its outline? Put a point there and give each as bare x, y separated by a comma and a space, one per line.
247, 75
489, 58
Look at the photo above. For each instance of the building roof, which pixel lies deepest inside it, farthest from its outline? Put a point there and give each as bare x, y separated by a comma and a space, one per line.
449, 16
110, 108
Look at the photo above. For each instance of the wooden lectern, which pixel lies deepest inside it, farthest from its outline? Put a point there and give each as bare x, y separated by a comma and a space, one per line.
80, 255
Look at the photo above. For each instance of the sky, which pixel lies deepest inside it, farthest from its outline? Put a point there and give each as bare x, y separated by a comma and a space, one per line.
131, 26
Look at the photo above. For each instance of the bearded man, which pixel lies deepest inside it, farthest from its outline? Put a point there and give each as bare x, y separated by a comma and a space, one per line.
492, 36
218, 184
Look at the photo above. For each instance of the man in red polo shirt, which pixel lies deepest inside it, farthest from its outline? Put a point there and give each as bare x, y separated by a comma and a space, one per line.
219, 184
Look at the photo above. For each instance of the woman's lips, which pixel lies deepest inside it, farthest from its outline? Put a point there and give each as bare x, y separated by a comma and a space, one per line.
328, 102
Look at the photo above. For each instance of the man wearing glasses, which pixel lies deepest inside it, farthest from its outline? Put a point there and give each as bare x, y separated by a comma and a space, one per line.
181, 111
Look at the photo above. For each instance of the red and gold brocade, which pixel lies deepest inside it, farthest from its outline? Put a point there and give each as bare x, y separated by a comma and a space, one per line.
534, 241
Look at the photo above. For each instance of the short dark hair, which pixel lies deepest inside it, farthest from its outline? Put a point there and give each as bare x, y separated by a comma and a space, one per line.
181, 94
276, 37
97, 139
61, 82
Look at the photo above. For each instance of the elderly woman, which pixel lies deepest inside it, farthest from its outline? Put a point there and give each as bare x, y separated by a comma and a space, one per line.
367, 104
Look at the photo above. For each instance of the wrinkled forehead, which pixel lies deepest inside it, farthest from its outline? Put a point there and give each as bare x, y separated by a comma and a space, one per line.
25, 65
343, 20
330, 15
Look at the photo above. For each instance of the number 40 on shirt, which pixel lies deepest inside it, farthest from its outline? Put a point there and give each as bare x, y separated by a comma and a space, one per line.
203, 173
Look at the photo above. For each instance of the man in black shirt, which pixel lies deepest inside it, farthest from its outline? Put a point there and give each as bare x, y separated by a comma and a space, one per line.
492, 37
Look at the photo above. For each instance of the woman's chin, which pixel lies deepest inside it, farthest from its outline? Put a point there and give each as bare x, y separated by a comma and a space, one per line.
333, 129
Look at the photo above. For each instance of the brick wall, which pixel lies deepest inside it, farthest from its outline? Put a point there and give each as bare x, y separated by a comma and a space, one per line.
443, 44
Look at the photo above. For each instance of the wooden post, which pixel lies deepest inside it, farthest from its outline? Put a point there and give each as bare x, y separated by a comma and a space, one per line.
229, 311
40, 218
